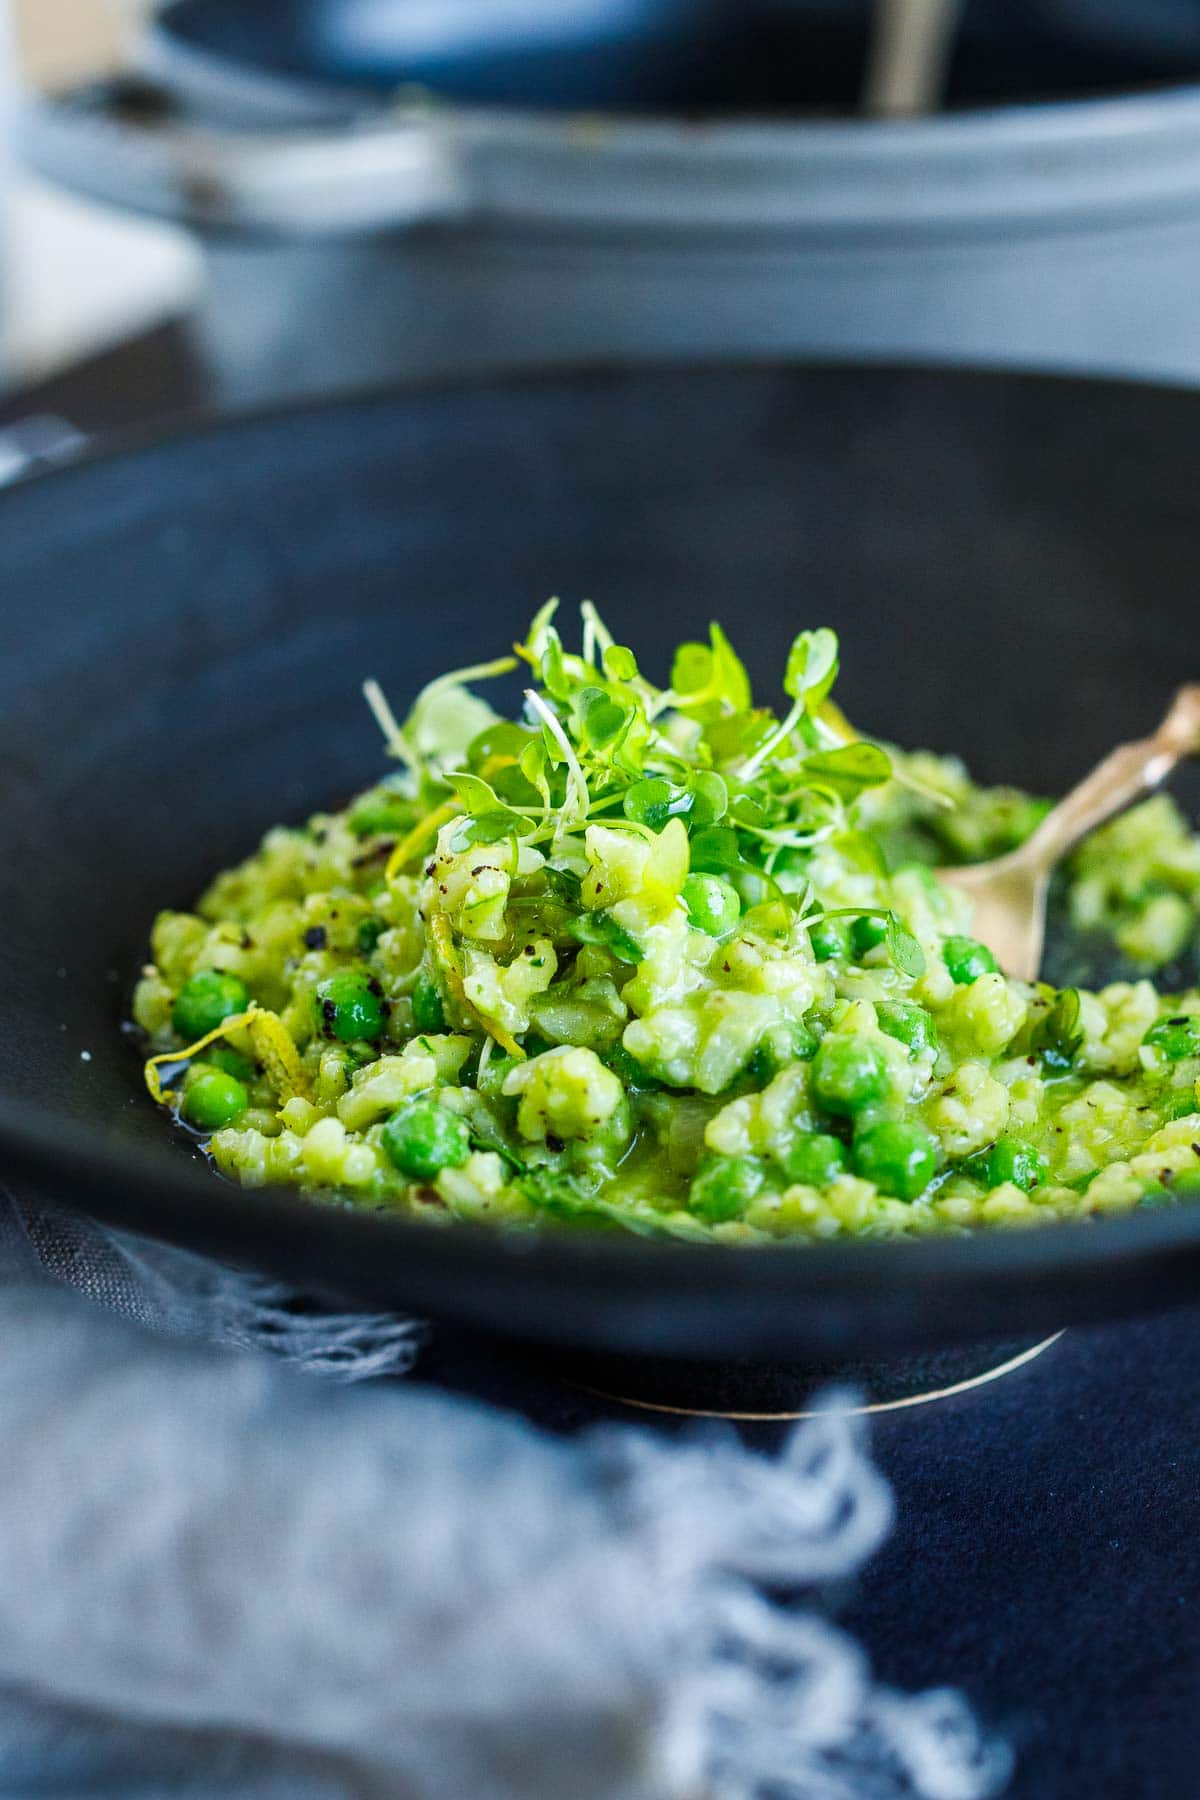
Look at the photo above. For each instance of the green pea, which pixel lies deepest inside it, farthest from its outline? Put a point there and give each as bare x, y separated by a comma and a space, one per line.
1009, 1159
723, 1187
781, 1045
205, 1001
212, 1099
849, 1073
867, 932
222, 1057
380, 811
428, 1011
348, 1006
369, 933
899, 1155
423, 1138
712, 904
815, 1159
967, 959
1175, 1038
830, 938
910, 1025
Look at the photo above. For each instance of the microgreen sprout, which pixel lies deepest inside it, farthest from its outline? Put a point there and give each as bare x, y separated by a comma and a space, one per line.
599, 743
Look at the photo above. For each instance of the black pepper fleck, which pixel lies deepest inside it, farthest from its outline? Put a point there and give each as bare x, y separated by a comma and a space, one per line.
316, 937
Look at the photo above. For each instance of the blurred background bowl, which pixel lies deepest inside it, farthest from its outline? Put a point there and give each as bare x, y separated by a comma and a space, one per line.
409, 187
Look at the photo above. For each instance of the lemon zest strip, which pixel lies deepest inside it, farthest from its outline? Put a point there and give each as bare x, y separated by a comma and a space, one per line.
165, 1096
414, 841
277, 1052
273, 1045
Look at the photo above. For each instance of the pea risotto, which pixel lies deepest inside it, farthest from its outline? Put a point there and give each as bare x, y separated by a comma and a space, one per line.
662, 959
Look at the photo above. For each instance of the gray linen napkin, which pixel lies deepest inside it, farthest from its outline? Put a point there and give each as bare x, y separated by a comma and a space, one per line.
219, 1578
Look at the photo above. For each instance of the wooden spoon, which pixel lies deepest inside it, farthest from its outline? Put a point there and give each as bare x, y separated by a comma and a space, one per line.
1009, 893
908, 56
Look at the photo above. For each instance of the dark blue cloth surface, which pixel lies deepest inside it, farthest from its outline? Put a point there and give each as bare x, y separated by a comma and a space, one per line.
1046, 1552
1047, 1556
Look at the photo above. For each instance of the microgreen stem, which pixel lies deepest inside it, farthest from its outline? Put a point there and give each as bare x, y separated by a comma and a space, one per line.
769, 745
575, 776
386, 720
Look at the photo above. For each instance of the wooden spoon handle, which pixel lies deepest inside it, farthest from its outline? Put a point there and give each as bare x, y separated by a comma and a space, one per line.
911, 42
1126, 772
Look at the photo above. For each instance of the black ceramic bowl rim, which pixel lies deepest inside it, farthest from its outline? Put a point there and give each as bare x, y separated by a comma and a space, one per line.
941, 1288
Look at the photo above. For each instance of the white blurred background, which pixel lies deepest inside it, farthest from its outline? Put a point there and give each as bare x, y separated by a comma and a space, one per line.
76, 277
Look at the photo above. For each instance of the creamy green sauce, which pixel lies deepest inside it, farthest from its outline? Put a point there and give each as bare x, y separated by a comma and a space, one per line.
663, 959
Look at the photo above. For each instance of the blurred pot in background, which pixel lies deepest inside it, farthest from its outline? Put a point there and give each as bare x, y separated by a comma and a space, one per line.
77, 277
409, 187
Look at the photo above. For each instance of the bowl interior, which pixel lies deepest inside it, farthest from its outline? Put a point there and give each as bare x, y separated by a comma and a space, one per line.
710, 56
1009, 561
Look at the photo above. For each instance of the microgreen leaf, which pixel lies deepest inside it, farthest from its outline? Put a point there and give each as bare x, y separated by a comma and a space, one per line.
599, 717
862, 850
502, 739
655, 800
850, 770
619, 663
475, 793
745, 809
715, 850
710, 797
491, 828
812, 666
709, 680
904, 952
490, 820
534, 647
532, 762
552, 667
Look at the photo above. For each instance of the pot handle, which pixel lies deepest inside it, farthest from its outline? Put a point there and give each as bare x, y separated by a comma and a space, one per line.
124, 142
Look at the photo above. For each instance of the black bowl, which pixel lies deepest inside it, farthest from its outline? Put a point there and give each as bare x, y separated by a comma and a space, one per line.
1010, 561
